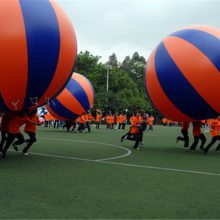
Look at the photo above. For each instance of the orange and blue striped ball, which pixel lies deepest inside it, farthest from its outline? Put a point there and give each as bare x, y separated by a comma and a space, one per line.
76, 99
37, 55
183, 74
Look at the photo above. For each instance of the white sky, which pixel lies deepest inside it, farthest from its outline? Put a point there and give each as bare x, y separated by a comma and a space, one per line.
122, 27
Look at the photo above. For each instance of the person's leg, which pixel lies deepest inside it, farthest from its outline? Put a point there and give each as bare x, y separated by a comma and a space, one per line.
195, 142
3, 139
206, 149
137, 141
20, 140
125, 136
203, 139
30, 142
186, 138
8, 143
89, 128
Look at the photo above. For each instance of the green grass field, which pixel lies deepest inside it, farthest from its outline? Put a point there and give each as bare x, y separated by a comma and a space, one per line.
95, 176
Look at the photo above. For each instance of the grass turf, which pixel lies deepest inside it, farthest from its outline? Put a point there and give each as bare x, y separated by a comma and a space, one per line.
65, 177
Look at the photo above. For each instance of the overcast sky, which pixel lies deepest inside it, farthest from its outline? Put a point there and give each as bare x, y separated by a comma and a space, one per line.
122, 27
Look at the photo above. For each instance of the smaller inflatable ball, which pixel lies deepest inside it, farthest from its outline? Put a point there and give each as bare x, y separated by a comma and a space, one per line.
76, 99
182, 75
38, 51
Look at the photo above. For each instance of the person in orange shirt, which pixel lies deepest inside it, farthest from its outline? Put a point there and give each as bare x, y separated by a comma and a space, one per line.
108, 120
119, 121
150, 122
82, 122
17, 120
198, 135
98, 118
112, 119
140, 120
215, 127
30, 129
124, 121
184, 131
164, 121
133, 134
88, 119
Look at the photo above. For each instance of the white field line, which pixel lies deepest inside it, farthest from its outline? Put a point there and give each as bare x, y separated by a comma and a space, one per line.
92, 142
117, 163
128, 165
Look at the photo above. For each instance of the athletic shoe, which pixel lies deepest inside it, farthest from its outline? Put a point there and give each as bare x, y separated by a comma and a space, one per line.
136, 148
15, 147
26, 154
123, 138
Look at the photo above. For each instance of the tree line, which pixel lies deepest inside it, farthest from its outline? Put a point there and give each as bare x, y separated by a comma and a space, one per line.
126, 90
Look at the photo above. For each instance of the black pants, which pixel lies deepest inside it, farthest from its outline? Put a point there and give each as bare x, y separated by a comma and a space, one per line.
11, 137
123, 126
136, 138
132, 137
196, 141
109, 126
185, 137
141, 133
214, 139
81, 127
88, 126
144, 126
3, 139
97, 125
150, 128
30, 141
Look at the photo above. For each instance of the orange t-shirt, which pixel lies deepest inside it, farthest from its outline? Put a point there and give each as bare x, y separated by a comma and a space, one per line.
112, 118
98, 117
150, 120
135, 123
15, 123
196, 128
108, 119
89, 117
30, 126
185, 125
82, 119
124, 118
215, 126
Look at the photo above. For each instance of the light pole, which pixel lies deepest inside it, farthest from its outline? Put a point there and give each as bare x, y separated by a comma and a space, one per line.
108, 67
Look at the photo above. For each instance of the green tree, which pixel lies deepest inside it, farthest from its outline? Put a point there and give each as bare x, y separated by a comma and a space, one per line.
126, 81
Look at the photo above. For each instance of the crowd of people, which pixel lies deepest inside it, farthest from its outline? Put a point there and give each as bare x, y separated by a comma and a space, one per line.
12, 122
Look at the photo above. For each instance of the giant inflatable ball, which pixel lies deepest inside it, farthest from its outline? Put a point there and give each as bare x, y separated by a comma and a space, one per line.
76, 99
37, 55
183, 74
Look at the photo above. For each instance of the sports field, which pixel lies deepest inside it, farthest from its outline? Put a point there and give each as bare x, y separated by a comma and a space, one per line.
95, 176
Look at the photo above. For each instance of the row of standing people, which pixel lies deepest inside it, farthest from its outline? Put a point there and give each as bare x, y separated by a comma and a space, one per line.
10, 130
110, 120
199, 136
121, 120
